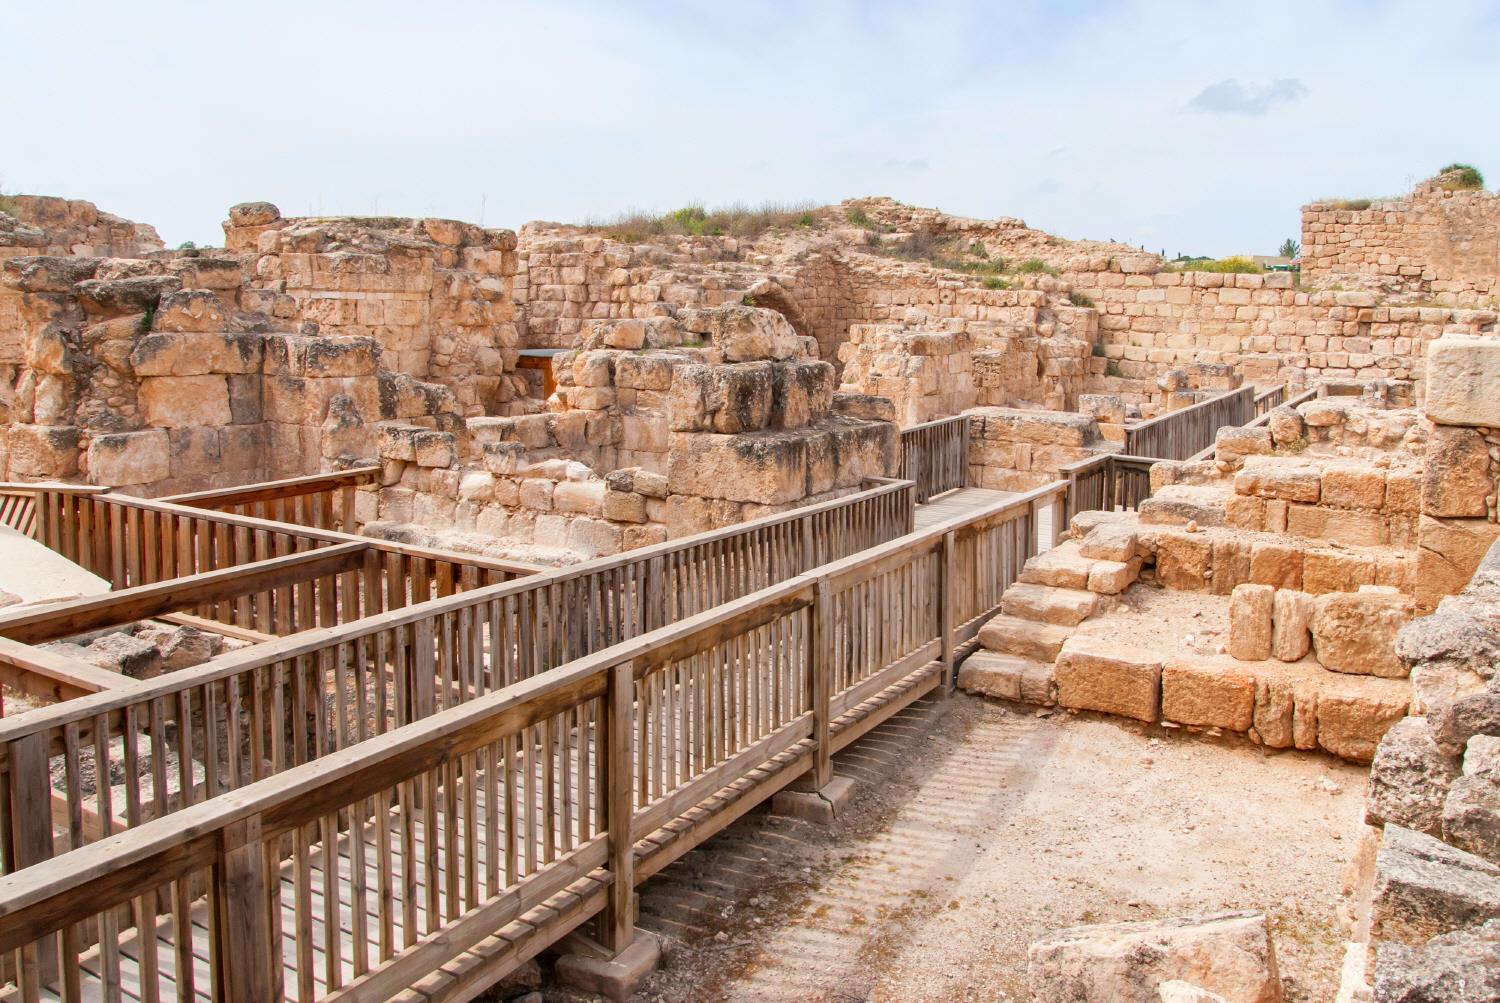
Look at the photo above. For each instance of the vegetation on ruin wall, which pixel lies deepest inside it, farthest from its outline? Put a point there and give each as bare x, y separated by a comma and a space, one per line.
694, 220
1460, 177
1236, 265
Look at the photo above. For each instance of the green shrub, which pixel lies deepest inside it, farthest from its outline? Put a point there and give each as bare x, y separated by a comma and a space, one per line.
858, 218
1079, 299
1097, 351
995, 282
1032, 266
1112, 368
143, 326
1237, 265
1458, 177
187, 245
747, 300
992, 267
978, 249
695, 221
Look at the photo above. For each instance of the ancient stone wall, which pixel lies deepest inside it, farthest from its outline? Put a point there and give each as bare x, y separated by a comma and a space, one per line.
1436, 241
42, 224
437, 296
1268, 330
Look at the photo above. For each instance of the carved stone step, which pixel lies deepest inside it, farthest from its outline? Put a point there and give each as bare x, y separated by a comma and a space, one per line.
1013, 636
1009, 677
1065, 607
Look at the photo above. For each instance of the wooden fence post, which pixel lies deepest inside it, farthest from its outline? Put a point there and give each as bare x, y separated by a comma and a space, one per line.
820, 669
247, 968
617, 925
947, 565
30, 808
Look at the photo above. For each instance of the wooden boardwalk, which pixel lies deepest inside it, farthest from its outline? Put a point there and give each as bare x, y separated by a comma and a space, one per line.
961, 502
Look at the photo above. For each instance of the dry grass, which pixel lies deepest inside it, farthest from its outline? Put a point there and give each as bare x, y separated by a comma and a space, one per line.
738, 220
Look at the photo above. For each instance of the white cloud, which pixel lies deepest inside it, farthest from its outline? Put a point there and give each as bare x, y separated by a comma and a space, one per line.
1230, 97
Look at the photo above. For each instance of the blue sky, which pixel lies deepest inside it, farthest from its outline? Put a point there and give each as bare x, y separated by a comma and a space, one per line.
1184, 127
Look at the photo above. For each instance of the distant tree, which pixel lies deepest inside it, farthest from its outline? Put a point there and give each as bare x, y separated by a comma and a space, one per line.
1289, 248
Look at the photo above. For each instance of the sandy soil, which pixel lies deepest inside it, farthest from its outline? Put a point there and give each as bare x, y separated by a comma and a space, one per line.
977, 829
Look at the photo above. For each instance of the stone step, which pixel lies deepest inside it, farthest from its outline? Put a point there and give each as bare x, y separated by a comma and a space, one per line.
1045, 604
1009, 677
1096, 673
1180, 504
1062, 567
1013, 636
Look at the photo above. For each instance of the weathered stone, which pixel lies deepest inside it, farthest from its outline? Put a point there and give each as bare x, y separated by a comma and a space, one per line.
1291, 624
124, 458
1276, 564
1409, 778
126, 654
743, 333
1113, 577
1183, 560
1250, 609
1471, 814
1109, 543
1458, 967
1455, 473
1208, 694
1067, 607
1027, 638
1009, 677
1096, 674
1456, 721
1461, 384
1448, 552
182, 401
1351, 721
1225, 953
767, 468
1356, 632
1061, 567
1424, 888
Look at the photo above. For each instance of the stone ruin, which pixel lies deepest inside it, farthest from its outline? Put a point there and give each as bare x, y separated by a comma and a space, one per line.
1319, 583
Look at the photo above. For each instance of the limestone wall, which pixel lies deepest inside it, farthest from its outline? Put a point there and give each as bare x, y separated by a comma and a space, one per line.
41, 224
437, 296
1268, 330
1437, 241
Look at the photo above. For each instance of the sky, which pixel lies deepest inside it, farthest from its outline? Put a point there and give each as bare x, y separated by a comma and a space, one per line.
1187, 128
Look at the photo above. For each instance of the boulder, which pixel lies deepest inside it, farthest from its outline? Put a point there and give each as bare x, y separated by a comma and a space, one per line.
1458, 967
126, 654
1229, 954
1409, 778
1424, 887
1455, 722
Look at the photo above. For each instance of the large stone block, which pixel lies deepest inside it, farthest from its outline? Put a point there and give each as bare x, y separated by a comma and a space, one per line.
1250, 608
1291, 624
1458, 967
42, 451
767, 468
1463, 381
122, 458
1352, 719
181, 401
1455, 473
196, 354
1096, 674
1183, 561
1448, 552
1425, 888
1471, 815
1409, 778
1208, 694
1229, 954
1355, 632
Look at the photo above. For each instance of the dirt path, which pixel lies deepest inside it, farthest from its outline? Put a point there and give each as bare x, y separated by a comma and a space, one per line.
976, 830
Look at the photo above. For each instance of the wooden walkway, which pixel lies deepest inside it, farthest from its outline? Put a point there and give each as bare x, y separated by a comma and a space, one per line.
961, 502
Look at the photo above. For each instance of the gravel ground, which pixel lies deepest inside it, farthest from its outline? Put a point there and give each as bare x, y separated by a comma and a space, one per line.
976, 827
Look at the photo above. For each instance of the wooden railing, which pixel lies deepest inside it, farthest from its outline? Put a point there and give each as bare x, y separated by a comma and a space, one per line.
935, 455
1272, 398
1110, 482
320, 501
1180, 434
549, 797
224, 721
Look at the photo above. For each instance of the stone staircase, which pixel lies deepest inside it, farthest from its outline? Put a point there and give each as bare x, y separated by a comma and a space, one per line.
1055, 592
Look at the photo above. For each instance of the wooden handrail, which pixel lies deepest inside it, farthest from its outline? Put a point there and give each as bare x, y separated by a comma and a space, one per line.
1179, 434
935, 455
290, 487
427, 768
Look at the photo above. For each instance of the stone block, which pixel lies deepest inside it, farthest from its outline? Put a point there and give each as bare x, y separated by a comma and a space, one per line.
1276, 564
1109, 543
1208, 694
1455, 473
767, 468
1228, 954
1275, 478
1291, 625
1355, 632
1096, 674
1066, 607
1471, 815
1326, 571
1008, 677
1113, 577
435, 449
580, 497
1458, 967
1028, 638
1448, 552
1353, 487
1352, 720
820, 807
180, 401
615, 978
122, 458
197, 354
1409, 778
1463, 381
1062, 567
1250, 622
1425, 888
1183, 560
